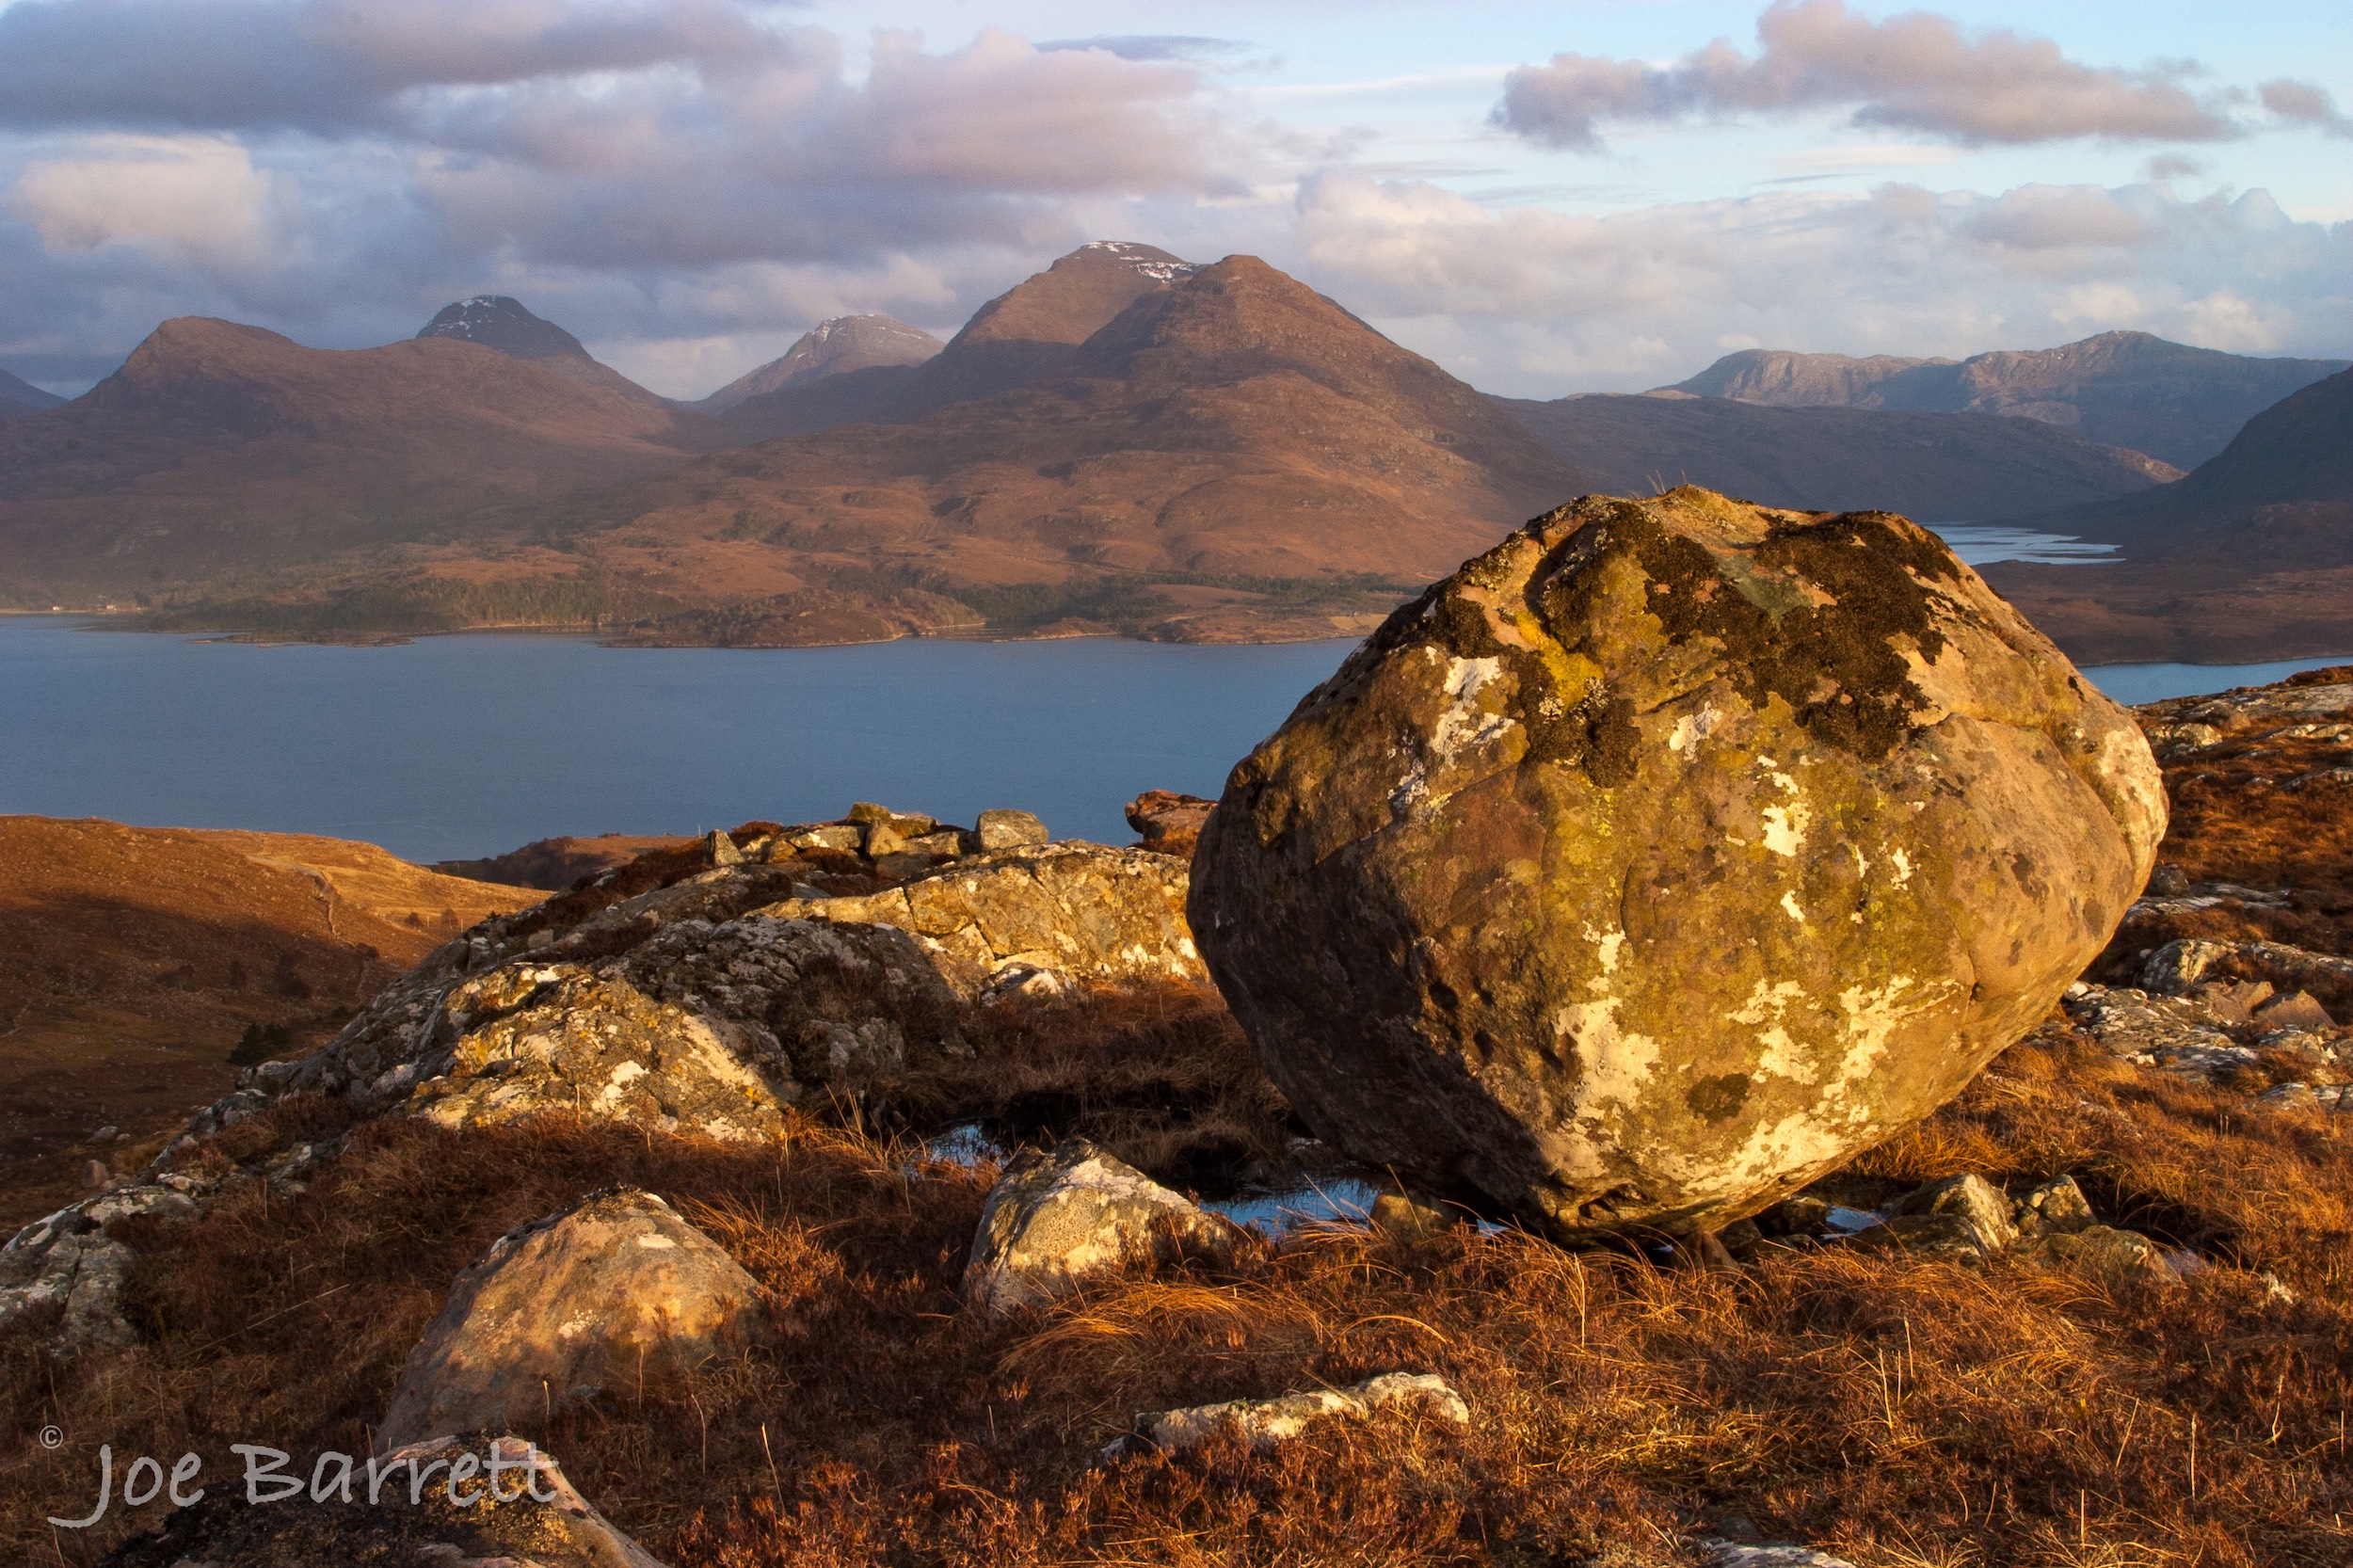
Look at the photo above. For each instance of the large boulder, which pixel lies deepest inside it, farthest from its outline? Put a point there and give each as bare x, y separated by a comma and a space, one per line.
613, 1292
1668, 854
435, 1504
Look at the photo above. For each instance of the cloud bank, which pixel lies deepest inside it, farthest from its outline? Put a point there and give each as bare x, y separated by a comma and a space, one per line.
1917, 71
1538, 300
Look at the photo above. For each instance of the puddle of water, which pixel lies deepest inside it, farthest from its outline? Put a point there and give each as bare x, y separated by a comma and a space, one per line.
1851, 1220
963, 1145
1980, 544
1344, 1200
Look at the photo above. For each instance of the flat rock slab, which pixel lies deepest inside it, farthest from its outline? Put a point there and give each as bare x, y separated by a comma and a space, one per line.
1726, 1554
1666, 856
1264, 1423
1057, 1218
538, 1519
616, 1290
1088, 912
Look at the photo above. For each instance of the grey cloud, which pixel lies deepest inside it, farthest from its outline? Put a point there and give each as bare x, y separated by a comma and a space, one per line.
326, 65
2303, 104
984, 145
2172, 166
1916, 72
1151, 46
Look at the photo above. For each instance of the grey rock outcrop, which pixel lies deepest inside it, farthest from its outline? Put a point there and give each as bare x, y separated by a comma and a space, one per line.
1668, 854
709, 1028
68, 1262
1076, 909
614, 1290
1057, 1218
434, 1506
1264, 1423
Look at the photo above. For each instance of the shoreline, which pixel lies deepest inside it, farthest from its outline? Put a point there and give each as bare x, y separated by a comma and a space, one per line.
2290, 654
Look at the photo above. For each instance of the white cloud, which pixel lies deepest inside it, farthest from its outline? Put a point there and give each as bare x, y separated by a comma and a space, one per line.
197, 197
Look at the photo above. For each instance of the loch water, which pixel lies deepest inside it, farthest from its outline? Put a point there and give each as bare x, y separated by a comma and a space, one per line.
468, 745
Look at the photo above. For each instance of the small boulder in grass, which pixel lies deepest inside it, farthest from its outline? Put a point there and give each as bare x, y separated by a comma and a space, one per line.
1971, 1197
1264, 1423
1058, 1219
611, 1292
2114, 1255
2055, 1208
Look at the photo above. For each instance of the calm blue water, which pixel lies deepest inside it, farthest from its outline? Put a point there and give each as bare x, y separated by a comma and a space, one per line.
468, 745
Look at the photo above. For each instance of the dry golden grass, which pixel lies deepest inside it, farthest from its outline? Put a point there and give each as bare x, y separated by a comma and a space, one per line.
1900, 1414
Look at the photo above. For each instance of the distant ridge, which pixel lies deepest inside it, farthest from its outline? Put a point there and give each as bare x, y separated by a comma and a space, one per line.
497, 321
834, 347
1936, 467
19, 396
2298, 450
2119, 389
220, 446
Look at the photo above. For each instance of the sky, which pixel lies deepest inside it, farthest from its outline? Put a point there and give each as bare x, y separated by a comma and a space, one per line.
1545, 198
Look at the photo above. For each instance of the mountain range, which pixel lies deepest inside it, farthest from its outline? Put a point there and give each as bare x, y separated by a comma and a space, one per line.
2176, 403
1125, 441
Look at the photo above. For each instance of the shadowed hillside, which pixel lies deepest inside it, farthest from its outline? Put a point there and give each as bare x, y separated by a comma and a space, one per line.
138, 957
2250, 557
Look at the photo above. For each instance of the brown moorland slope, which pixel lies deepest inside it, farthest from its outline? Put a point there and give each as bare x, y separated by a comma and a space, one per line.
1933, 468
2119, 389
139, 956
1231, 427
218, 446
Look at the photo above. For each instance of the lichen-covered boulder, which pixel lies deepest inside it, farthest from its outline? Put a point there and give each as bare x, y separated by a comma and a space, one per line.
1666, 856
617, 1289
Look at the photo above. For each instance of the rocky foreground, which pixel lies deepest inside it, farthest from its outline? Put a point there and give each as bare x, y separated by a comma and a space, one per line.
864, 1191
